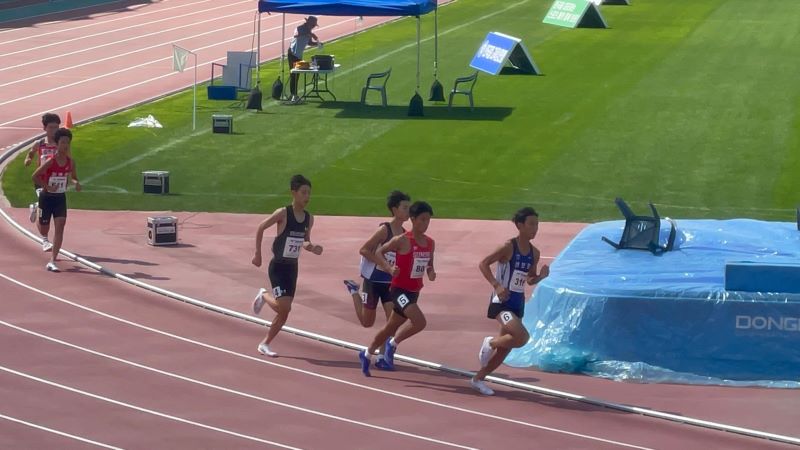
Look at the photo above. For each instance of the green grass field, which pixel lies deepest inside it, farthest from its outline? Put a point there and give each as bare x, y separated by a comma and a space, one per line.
690, 104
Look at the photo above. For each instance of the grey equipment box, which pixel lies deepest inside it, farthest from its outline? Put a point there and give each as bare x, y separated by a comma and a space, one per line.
162, 230
155, 182
222, 123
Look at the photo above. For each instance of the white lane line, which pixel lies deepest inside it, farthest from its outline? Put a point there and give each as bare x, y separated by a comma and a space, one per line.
105, 94
233, 391
96, 22
316, 374
139, 408
60, 433
122, 55
119, 41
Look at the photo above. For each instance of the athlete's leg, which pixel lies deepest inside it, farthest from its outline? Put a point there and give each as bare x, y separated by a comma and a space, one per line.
417, 323
512, 333
58, 236
283, 308
394, 322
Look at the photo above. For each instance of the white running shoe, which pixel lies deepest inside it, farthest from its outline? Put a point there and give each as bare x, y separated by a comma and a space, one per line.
52, 267
480, 386
47, 245
264, 350
485, 354
258, 303
32, 208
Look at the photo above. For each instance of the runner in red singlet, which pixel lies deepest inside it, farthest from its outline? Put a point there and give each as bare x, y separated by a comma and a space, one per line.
40, 152
414, 259
54, 176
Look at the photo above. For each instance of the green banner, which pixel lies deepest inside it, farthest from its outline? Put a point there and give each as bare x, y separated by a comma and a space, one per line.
574, 14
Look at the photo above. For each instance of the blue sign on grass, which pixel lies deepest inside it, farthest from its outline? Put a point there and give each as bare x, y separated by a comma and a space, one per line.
498, 49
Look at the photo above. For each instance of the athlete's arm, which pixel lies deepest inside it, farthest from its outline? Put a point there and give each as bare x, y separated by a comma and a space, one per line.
501, 254
543, 272
279, 216
368, 249
34, 150
38, 175
75, 177
431, 271
315, 249
395, 244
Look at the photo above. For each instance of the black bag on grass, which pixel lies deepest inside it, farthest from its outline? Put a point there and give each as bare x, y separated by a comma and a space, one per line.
415, 106
277, 89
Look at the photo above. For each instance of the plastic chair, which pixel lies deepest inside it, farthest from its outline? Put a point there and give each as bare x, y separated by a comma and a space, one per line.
642, 232
380, 86
470, 80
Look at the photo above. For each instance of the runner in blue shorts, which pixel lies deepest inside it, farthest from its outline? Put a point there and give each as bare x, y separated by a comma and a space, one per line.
516, 262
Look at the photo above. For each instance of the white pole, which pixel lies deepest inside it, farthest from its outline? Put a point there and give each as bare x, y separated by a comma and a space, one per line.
194, 95
283, 44
418, 53
258, 53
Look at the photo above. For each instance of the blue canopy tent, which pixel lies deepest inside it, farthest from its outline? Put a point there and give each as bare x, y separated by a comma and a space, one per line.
392, 8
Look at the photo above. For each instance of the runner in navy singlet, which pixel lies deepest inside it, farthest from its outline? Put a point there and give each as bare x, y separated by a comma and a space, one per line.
294, 234
516, 266
375, 285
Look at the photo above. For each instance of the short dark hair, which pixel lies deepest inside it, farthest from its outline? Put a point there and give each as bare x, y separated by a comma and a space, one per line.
394, 199
50, 118
418, 208
298, 181
523, 213
62, 132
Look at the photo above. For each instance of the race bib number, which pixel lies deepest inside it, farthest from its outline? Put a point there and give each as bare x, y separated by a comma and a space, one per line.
277, 292
402, 301
58, 183
506, 317
419, 267
518, 279
292, 247
391, 257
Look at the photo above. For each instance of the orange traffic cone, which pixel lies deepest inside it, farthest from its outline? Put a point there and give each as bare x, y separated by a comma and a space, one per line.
68, 122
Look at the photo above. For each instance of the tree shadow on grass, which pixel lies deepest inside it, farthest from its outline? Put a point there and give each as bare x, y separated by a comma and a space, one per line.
355, 110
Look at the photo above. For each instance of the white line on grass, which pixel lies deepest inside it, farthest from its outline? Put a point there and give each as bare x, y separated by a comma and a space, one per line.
233, 391
60, 433
315, 374
139, 408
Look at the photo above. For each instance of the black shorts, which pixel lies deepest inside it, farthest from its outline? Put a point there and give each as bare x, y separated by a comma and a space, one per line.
373, 292
496, 308
52, 205
283, 278
401, 298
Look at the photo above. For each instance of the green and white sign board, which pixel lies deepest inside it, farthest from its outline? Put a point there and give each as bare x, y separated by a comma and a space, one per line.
575, 14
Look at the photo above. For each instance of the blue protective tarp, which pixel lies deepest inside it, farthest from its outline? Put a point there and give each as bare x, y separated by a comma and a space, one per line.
349, 7
631, 315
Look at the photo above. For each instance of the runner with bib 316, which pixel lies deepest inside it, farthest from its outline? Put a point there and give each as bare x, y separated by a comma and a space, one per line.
516, 263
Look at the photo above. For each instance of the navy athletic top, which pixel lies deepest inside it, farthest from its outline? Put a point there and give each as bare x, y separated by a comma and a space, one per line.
513, 275
368, 269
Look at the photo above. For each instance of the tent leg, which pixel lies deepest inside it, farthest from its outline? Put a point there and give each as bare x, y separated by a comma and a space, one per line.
258, 53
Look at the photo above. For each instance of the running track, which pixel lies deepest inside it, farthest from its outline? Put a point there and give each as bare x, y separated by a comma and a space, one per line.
88, 361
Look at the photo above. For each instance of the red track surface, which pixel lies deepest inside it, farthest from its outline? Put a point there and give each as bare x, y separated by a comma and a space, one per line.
205, 386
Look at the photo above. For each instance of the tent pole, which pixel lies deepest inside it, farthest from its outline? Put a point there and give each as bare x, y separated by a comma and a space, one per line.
258, 53
418, 52
283, 42
436, 43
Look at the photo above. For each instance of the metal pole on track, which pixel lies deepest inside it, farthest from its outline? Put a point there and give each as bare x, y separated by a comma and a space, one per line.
258, 52
283, 43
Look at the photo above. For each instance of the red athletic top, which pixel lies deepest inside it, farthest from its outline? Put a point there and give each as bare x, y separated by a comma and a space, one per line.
58, 176
413, 265
46, 151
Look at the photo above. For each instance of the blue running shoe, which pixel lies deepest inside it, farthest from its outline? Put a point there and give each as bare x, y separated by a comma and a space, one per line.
352, 287
362, 356
388, 353
383, 365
